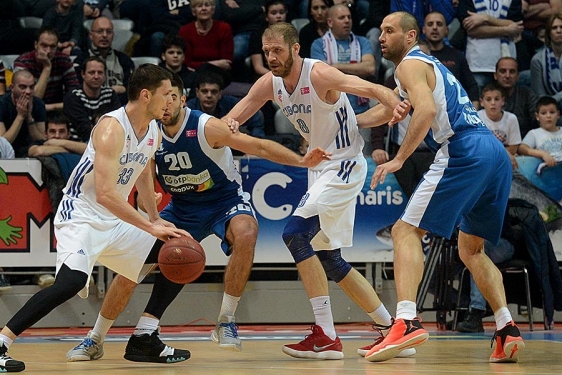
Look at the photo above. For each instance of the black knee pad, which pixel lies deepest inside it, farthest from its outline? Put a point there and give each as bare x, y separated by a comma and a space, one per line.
297, 236
335, 266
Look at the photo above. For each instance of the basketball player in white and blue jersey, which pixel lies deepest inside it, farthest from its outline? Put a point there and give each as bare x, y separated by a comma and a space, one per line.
467, 186
195, 165
312, 96
94, 221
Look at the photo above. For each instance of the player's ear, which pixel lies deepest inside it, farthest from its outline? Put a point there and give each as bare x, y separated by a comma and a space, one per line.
145, 94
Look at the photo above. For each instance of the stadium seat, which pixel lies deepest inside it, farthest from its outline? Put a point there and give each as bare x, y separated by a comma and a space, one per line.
145, 60
31, 22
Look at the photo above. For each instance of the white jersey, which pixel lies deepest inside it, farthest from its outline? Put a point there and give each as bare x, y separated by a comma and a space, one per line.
332, 127
79, 200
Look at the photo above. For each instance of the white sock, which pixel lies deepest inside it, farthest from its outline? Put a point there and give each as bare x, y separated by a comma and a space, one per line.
406, 310
381, 316
102, 326
502, 317
146, 325
323, 315
229, 305
7, 341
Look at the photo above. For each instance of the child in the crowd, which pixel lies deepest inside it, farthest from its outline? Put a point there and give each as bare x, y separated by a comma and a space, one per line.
503, 124
544, 142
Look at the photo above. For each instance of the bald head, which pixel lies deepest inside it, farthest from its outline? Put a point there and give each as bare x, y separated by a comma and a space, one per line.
408, 23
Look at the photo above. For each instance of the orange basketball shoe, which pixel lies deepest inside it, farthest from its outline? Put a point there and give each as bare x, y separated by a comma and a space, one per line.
316, 346
404, 334
508, 344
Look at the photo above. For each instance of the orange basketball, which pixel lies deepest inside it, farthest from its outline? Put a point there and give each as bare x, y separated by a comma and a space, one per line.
181, 259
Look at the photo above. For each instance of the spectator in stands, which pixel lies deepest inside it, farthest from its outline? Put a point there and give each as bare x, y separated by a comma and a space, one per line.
346, 51
58, 138
210, 45
164, 17
503, 124
275, 11
119, 65
519, 100
67, 17
14, 39
209, 99
244, 17
545, 142
97, 8
173, 57
491, 34
53, 70
317, 27
82, 105
435, 30
420, 8
22, 114
2, 78
546, 75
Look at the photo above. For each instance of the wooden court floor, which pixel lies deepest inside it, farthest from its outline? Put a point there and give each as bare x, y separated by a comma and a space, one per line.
446, 352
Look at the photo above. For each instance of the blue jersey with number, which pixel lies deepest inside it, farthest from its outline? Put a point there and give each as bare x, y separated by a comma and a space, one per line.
455, 112
191, 170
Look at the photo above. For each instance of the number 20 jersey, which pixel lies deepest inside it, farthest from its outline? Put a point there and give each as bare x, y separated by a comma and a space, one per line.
191, 170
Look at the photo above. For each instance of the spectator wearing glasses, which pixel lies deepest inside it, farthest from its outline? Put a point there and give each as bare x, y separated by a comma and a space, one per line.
119, 66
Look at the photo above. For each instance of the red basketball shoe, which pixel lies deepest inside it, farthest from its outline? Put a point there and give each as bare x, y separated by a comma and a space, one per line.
403, 334
316, 346
508, 344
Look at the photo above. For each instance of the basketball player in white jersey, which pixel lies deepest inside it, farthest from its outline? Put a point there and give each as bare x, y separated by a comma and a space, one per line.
312, 95
94, 221
467, 186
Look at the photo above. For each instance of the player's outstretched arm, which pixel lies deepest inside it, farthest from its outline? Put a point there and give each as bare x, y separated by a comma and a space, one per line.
259, 94
326, 78
218, 134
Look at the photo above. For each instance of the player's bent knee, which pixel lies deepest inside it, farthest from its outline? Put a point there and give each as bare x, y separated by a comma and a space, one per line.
334, 265
297, 236
69, 282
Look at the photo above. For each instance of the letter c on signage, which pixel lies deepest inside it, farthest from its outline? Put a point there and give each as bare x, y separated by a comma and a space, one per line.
258, 196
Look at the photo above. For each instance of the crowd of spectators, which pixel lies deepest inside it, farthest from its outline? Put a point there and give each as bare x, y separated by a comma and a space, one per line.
70, 62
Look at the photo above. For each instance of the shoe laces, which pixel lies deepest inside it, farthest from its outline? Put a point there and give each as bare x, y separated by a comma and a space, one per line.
86, 344
230, 329
311, 337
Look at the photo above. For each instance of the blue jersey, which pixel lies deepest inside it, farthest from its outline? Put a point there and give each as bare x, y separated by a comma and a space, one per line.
191, 170
455, 112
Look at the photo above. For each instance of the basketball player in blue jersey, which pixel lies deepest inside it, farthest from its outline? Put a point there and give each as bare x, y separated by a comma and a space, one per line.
312, 96
94, 221
467, 187
196, 167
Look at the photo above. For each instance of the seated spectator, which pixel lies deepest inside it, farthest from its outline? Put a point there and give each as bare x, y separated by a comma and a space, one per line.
546, 75
435, 30
420, 8
317, 27
349, 53
275, 11
210, 44
58, 138
22, 114
53, 70
81, 105
503, 124
545, 142
173, 57
162, 17
14, 39
97, 8
67, 18
119, 65
209, 99
244, 17
519, 100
